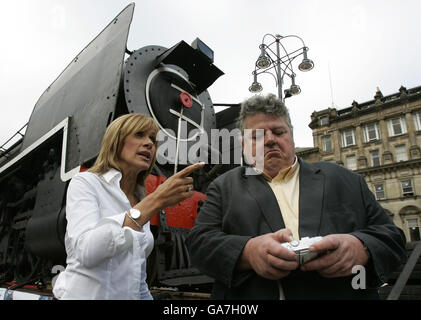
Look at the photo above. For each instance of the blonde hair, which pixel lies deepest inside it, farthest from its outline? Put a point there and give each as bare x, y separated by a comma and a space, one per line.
113, 142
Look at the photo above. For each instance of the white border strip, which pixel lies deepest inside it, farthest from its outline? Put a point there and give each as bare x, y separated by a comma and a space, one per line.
154, 73
178, 114
63, 175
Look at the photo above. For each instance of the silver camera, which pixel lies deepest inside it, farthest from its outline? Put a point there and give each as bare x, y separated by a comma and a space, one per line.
300, 247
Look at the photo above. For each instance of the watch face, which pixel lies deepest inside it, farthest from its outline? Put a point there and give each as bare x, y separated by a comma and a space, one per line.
134, 213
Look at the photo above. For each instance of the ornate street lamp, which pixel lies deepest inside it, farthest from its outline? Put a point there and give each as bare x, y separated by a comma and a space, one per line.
255, 86
279, 66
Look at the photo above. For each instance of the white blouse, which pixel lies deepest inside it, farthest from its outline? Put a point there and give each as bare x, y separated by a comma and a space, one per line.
104, 259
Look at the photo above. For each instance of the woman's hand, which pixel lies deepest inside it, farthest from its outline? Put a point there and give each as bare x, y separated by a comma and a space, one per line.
174, 190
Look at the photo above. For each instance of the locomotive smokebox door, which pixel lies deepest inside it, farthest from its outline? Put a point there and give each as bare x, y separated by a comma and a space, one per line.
171, 72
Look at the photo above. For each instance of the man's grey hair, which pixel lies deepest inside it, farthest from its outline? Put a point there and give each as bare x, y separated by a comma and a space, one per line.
268, 104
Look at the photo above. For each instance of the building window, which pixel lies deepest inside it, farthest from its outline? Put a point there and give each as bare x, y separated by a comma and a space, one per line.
396, 126
401, 154
324, 121
351, 163
417, 121
379, 191
348, 138
371, 132
327, 143
407, 189
414, 229
375, 158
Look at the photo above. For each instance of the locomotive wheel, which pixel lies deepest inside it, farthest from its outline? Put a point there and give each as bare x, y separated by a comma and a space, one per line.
6, 267
27, 266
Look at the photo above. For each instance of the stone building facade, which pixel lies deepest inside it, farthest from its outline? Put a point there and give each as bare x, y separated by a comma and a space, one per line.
379, 139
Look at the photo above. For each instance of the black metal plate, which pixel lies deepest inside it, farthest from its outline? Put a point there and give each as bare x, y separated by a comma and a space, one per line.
86, 91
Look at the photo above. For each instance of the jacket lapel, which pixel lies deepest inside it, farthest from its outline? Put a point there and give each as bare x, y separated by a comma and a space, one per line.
260, 190
311, 199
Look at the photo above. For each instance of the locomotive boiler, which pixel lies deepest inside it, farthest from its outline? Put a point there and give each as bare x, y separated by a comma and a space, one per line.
63, 137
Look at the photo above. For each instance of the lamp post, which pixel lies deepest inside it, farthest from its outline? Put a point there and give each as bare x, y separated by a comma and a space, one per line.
272, 62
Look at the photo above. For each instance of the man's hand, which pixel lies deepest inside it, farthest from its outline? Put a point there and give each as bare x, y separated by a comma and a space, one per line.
343, 252
267, 257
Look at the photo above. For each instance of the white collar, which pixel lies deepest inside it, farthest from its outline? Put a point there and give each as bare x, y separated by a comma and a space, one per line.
114, 174
111, 174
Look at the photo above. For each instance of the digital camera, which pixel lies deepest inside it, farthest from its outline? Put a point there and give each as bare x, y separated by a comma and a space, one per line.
300, 247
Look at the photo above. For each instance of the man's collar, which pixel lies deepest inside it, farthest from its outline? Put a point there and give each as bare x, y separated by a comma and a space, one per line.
283, 174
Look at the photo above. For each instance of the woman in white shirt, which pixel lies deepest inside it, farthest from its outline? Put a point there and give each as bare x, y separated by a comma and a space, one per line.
108, 237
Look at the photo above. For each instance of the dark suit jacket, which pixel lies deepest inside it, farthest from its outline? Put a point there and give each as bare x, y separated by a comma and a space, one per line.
332, 200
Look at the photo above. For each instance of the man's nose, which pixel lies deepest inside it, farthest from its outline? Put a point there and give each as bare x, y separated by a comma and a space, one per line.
269, 137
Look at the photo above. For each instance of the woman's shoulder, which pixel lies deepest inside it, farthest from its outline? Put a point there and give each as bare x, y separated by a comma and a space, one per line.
84, 182
98, 178
85, 177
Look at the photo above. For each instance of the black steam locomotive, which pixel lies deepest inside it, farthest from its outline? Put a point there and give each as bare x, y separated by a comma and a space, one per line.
63, 137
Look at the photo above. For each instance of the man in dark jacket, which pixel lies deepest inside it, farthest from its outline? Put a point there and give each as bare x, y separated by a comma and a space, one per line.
249, 213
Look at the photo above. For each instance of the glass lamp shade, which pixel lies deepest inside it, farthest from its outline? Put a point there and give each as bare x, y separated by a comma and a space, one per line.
255, 87
263, 61
306, 65
294, 89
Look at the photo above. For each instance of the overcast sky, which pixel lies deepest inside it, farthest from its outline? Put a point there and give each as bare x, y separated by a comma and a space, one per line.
365, 44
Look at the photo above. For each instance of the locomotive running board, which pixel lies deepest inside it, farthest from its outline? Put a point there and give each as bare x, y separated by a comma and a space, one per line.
63, 175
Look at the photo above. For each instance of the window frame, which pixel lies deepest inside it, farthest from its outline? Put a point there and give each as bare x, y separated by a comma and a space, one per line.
417, 120
411, 234
355, 162
325, 138
344, 141
324, 121
407, 193
379, 158
391, 127
404, 152
366, 132
376, 193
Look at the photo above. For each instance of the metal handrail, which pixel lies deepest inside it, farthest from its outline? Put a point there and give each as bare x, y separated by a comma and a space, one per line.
3, 150
405, 274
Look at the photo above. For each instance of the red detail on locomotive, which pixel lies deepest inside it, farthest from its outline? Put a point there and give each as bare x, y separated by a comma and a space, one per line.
186, 100
182, 215
83, 168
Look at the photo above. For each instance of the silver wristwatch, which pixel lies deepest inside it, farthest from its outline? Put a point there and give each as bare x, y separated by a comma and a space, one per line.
134, 214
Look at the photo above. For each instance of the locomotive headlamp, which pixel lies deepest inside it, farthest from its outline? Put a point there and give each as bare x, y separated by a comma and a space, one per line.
202, 73
203, 48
